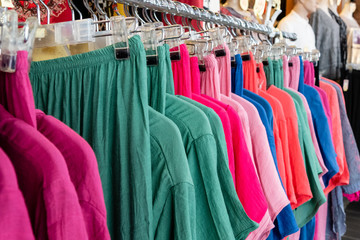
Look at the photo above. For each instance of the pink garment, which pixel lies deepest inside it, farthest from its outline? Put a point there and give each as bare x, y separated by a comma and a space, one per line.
83, 169
264, 229
294, 71
224, 64
295, 236
355, 197
265, 224
286, 71
14, 222
195, 75
181, 68
44, 180
195, 83
264, 162
16, 91
210, 79
247, 182
342, 177
320, 220
226, 126
244, 120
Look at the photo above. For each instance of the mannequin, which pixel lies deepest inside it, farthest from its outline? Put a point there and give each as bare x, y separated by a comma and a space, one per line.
324, 6
333, 5
347, 14
238, 5
297, 21
239, 9
327, 33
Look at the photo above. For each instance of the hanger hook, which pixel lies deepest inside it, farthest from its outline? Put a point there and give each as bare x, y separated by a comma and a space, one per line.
72, 6
37, 11
101, 12
153, 16
87, 6
146, 15
136, 14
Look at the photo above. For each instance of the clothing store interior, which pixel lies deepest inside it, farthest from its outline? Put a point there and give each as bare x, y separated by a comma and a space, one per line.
179, 120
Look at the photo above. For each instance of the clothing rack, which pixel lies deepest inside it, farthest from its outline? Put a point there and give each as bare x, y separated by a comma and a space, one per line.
187, 11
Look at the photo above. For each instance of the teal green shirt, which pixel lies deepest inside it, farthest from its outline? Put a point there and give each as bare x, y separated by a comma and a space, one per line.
172, 186
105, 100
212, 219
241, 224
305, 212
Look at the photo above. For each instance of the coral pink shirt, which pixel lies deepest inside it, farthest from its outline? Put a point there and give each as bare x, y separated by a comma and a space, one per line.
284, 165
300, 180
342, 177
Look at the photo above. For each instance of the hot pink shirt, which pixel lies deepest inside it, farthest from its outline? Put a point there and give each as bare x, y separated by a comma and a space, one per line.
16, 91
83, 170
181, 68
246, 176
44, 180
210, 85
14, 222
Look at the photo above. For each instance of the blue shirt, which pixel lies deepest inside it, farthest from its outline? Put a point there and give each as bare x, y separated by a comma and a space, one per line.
308, 231
301, 78
322, 131
237, 75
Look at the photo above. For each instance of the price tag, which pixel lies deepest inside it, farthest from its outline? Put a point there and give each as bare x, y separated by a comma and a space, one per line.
40, 33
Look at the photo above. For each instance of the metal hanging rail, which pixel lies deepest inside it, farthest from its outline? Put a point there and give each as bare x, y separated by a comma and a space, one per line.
185, 10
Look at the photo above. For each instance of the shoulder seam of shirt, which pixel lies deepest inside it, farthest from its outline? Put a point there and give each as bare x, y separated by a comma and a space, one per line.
166, 160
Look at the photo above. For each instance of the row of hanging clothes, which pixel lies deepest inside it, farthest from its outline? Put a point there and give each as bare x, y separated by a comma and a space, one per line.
146, 131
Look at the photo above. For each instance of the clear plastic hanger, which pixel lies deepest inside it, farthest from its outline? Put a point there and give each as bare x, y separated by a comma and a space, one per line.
12, 40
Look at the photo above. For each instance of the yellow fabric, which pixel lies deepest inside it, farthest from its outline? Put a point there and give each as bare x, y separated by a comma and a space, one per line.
42, 54
48, 53
121, 8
